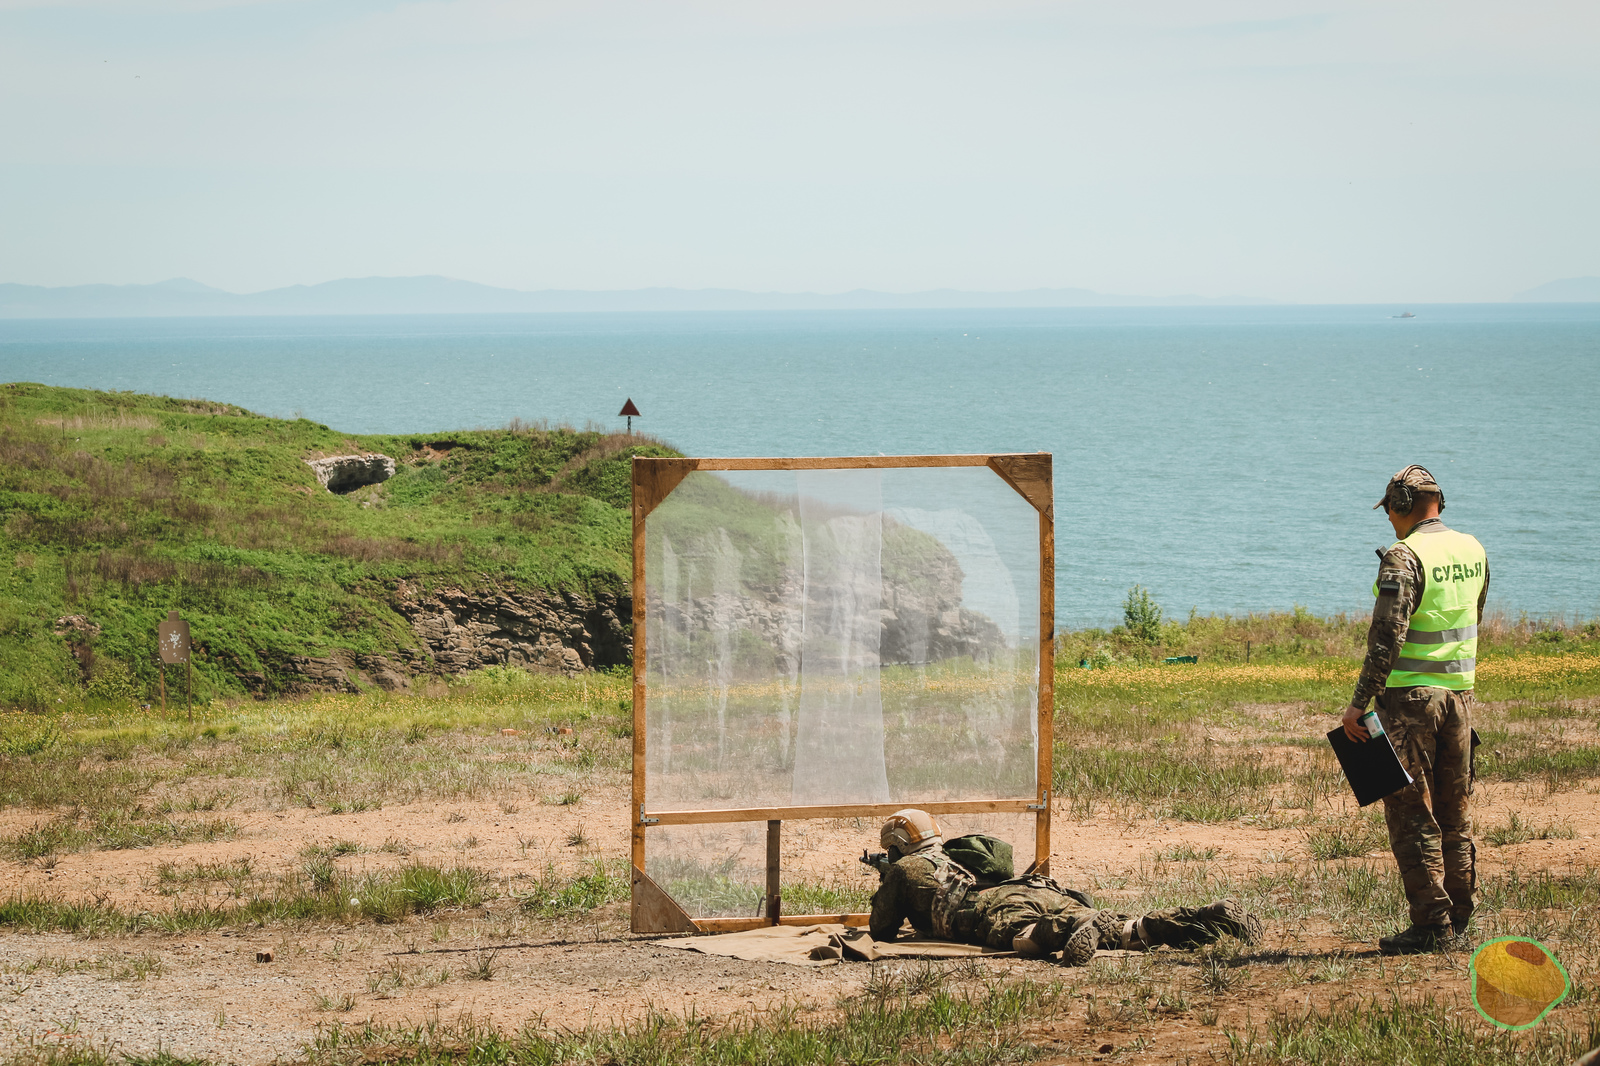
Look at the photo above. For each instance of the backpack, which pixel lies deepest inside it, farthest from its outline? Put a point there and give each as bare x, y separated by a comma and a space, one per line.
989, 861
987, 858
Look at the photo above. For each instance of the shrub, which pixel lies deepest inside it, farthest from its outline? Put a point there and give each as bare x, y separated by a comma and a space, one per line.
1141, 614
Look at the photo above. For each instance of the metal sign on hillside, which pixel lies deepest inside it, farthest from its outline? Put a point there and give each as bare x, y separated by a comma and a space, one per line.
173, 637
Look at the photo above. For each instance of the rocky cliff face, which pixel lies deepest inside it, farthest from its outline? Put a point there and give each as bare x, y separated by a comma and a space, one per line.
341, 474
507, 627
461, 631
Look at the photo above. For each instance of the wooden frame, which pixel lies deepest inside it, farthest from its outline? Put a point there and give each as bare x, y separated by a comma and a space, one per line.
1030, 474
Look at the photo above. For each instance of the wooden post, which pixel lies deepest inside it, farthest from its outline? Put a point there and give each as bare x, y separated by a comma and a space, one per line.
163, 690
188, 669
640, 512
1047, 683
774, 872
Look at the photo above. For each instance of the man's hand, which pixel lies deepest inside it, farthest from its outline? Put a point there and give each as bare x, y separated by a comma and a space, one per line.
1352, 725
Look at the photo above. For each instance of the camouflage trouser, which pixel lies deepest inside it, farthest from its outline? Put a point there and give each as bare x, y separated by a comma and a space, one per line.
993, 916
1431, 730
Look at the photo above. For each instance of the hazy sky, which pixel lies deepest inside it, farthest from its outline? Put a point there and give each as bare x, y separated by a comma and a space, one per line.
1304, 152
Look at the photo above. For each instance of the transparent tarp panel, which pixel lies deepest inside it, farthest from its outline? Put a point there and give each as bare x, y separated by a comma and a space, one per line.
712, 871
840, 637
719, 871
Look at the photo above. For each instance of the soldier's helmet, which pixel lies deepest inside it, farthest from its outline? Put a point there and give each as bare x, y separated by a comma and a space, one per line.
908, 831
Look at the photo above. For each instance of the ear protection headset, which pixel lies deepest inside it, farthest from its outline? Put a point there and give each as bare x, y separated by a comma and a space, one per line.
1401, 497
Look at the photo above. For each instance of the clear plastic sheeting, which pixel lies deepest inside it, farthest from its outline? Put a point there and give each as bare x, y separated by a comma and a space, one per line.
712, 871
719, 871
839, 754
840, 637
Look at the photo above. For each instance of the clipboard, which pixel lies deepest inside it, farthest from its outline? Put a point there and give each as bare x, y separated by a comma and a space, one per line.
1373, 769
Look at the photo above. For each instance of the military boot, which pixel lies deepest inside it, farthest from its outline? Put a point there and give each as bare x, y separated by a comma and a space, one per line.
1229, 916
1081, 945
1110, 927
1459, 920
1421, 940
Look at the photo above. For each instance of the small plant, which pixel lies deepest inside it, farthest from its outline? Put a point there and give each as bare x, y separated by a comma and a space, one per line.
135, 967
578, 838
344, 1003
321, 872
553, 897
1517, 831
482, 967
569, 798
1141, 615
332, 850
1216, 976
454, 818
1346, 838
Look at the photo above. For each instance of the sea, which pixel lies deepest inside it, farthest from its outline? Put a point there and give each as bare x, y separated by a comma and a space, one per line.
1225, 458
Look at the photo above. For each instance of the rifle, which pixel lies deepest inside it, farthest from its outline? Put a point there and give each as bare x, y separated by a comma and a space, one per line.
877, 860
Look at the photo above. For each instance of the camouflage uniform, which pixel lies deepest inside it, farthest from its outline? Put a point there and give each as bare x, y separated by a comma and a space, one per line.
991, 915
1431, 730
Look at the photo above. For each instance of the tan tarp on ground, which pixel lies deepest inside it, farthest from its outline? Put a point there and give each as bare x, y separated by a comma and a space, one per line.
822, 945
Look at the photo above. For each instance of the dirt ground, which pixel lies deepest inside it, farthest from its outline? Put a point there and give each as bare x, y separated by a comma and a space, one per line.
206, 994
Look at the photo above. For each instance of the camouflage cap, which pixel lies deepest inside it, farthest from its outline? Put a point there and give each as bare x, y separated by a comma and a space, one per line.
1414, 477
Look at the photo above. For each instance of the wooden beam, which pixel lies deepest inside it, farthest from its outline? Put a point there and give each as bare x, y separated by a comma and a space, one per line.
844, 810
638, 636
653, 479
840, 462
656, 912
1030, 475
774, 871
739, 925
1047, 686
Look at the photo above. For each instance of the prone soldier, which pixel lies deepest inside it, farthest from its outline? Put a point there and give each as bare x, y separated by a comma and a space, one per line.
1031, 915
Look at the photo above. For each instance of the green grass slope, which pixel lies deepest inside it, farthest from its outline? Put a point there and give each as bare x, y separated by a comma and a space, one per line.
117, 507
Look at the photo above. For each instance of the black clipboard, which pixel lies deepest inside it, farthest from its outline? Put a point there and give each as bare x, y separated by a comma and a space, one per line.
1373, 769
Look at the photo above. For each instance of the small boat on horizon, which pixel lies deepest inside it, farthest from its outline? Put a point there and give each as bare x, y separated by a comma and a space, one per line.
1407, 314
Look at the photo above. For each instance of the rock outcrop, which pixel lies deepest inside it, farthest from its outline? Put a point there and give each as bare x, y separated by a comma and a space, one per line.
342, 474
343, 673
508, 627
460, 631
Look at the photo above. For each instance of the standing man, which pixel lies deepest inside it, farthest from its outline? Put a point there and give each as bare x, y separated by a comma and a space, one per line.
1421, 651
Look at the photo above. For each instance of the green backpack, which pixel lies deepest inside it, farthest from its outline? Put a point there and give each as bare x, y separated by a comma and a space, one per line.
989, 858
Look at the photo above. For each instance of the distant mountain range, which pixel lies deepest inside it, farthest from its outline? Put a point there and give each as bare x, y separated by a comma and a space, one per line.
1565, 291
437, 295
432, 295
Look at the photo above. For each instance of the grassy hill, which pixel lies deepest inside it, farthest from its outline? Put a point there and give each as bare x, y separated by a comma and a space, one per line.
116, 507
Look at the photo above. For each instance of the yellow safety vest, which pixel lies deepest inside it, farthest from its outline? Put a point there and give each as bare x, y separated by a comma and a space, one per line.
1441, 648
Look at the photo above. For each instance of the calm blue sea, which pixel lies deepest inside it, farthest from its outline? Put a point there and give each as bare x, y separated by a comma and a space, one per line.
1227, 458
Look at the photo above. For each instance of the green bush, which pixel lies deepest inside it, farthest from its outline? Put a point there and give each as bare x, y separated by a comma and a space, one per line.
113, 681
1141, 615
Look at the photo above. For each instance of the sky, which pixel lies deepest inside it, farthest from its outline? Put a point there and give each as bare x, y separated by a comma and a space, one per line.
1304, 152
